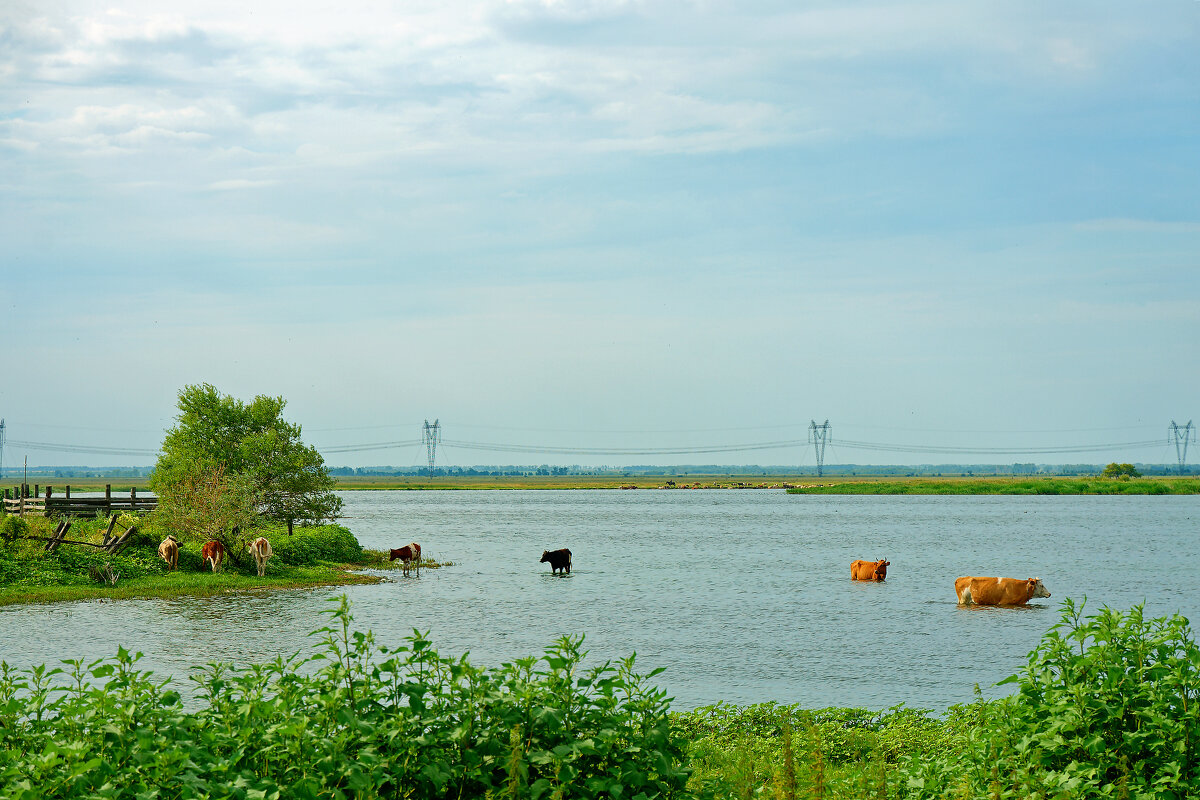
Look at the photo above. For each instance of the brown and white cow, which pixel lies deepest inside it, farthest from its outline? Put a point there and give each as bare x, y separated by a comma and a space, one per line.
214, 553
260, 548
869, 570
998, 591
408, 554
169, 551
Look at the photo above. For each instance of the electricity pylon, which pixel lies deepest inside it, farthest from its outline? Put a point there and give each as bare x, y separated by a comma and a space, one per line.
430, 437
1181, 435
818, 435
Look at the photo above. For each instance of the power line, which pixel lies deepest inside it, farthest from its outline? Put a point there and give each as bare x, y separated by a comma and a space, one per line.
53, 447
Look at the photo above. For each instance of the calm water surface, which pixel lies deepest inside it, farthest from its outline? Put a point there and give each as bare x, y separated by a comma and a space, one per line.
744, 596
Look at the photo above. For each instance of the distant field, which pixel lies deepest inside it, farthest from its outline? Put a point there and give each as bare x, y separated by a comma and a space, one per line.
1074, 485
570, 482
799, 484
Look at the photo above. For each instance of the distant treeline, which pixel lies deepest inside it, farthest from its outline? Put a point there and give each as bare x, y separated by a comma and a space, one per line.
677, 470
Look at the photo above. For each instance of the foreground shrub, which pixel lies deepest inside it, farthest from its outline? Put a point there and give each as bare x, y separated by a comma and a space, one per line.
353, 720
1107, 706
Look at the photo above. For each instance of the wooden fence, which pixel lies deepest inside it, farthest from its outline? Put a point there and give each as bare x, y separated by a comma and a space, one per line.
19, 500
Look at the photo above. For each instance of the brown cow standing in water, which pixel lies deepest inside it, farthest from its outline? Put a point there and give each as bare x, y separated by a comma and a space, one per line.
869, 570
559, 559
998, 591
408, 554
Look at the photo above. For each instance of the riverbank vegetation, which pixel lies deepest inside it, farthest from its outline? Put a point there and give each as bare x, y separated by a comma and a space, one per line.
997, 486
1106, 707
323, 555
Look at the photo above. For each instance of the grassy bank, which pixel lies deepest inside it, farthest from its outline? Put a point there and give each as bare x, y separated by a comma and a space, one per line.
1026, 486
326, 555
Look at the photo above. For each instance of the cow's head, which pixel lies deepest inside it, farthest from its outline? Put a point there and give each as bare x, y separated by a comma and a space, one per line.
881, 569
1039, 588
545, 556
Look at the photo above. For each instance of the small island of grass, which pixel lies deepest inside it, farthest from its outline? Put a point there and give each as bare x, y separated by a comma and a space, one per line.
1094, 484
323, 555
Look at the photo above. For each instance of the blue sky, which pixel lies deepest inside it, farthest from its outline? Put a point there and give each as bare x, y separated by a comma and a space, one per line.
605, 224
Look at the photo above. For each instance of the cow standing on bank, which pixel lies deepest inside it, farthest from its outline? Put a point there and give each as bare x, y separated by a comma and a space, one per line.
998, 591
214, 553
260, 548
559, 559
169, 551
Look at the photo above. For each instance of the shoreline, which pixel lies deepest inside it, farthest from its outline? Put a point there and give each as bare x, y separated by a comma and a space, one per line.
190, 584
796, 484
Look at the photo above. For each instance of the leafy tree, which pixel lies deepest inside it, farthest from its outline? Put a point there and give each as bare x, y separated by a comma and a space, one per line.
1115, 470
205, 504
256, 451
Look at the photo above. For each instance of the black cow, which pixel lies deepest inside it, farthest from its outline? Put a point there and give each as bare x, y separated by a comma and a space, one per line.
559, 559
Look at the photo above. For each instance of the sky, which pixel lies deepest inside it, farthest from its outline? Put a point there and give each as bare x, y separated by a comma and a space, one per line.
628, 232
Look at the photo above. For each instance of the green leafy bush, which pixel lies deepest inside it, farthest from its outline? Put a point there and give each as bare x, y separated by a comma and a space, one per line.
353, 720
308, 546
1108, 706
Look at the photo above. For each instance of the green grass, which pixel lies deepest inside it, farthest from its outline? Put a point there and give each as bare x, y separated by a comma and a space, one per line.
320, 556
1003, 486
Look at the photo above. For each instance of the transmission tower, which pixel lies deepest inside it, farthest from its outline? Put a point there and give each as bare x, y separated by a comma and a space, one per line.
1179, 434
430, 437
818, 435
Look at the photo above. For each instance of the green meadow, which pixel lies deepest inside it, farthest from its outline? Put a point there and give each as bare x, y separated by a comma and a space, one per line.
1014, 486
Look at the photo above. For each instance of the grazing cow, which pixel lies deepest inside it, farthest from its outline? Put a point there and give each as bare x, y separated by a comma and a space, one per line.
869, 570
559, 559
169, 550
260, 548
998, 591
214, 553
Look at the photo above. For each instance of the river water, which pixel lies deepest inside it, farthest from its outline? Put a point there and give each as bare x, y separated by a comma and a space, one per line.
743, 596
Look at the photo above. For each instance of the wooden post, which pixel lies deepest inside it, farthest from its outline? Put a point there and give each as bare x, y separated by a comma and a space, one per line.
132, 499
37, 490
108, 534
68, 491
108, 497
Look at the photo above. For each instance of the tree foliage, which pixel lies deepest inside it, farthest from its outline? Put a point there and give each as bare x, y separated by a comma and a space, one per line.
253, 449
204, 503
1115, 470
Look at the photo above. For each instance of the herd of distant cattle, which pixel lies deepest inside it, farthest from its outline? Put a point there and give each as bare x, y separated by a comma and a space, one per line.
971, 590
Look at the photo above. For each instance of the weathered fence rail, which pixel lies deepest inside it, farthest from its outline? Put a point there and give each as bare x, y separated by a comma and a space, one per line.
19, 500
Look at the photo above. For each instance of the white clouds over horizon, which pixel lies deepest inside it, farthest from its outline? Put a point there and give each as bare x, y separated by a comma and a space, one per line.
782, 207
